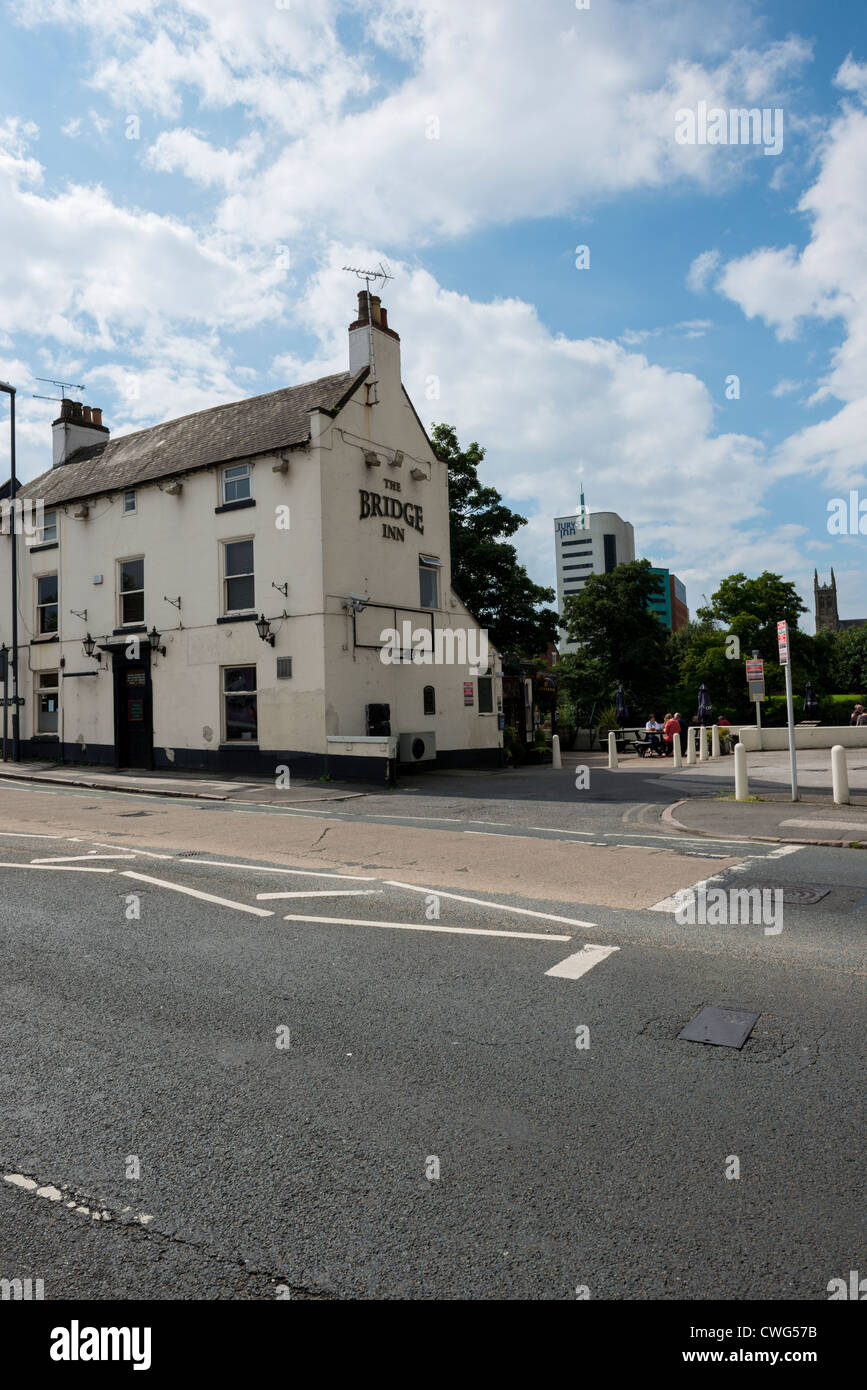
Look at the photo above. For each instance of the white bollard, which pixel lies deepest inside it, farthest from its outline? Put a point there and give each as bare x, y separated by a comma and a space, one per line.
690, 747
702, 745
612, 750
840, 775
714, 741
675, 749
556, 760
742, 785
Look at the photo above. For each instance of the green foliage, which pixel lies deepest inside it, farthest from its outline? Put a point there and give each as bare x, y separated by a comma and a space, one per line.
751, 609
485, 570
623, 642
849, 660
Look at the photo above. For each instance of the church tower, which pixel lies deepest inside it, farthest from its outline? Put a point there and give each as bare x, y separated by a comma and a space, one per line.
825, 596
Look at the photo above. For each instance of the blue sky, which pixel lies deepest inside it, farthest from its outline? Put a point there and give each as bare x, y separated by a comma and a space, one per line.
200, 260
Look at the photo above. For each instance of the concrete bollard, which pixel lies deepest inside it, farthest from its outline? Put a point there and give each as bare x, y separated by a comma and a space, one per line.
690, 747
612, 750
556, 760
702, 745
840, 775
714, 741
676, 753
742, 785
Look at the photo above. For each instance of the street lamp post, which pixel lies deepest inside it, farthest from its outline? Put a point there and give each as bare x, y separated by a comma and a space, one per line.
13, 535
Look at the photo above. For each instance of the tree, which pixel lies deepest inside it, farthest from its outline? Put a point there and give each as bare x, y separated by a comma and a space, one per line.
485, 570
621, 640
850, 661
751, 608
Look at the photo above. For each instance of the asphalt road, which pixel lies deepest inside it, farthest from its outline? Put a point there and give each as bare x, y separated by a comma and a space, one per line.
428, 1127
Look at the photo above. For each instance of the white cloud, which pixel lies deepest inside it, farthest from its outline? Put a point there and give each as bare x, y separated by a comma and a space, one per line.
701, 270
190, 153
827, 280
547, 406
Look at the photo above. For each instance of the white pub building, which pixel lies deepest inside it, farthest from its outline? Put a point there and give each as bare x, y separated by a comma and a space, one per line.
213, 593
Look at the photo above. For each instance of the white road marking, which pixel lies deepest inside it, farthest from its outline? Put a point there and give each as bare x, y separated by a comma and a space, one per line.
58, 868
55, 1194
148, 854
426, 926
193, 893
685, 894
269, 869
831, 824
483, 902
80, 858
573, 967
785, 849
324, 893
23, 835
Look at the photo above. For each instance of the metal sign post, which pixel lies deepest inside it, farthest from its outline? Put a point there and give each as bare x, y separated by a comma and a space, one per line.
756, 683
783, 643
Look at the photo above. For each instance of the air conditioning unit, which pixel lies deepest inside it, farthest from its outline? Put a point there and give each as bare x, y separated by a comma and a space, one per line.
378, 720
418, 748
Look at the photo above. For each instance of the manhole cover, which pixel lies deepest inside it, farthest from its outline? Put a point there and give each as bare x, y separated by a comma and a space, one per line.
722, 1027
794, 894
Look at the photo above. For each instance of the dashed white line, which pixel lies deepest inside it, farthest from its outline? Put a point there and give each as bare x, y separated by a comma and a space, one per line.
80, 858
193, 893
324, 893
58, 868
269, 869
483, 902
426, 926
573, 967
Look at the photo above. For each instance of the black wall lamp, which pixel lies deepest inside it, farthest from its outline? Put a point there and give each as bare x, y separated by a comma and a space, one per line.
89, 646
154, 639
263, 627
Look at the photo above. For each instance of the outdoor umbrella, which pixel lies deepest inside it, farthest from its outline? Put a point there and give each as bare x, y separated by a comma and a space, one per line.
621, 707
704, 705
811, 704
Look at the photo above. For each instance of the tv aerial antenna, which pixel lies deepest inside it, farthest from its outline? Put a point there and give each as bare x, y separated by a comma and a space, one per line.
64, 385
371, 277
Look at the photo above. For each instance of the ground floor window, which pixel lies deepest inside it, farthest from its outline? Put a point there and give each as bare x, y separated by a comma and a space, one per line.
47, 702
240, 705
486, 694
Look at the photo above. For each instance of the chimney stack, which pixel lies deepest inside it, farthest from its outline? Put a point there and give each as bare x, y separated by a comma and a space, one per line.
76, 427
386, 342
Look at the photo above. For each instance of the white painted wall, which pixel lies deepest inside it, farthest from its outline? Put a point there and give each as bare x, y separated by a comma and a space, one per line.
773, 740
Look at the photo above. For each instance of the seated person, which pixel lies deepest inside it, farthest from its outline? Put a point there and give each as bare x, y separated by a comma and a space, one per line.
856, 715
654, 729
669, 729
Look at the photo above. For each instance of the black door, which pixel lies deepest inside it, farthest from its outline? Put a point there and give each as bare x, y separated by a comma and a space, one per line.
133, 718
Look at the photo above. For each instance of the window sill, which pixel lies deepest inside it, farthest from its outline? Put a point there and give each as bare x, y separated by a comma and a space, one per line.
131, 630
45, 738
43, 637
239, 743
236, 506
237, 618
35, 549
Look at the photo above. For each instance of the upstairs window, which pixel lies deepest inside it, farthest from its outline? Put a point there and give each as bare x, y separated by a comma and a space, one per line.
428, 581
48, 534
239, 585
237, 483
129, 502
131, 592
46, 605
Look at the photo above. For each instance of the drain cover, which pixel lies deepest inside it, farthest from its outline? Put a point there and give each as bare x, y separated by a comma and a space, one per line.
722, 1027
795, 894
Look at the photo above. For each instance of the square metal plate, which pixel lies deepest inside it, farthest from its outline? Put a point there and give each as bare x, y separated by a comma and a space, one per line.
722, 1027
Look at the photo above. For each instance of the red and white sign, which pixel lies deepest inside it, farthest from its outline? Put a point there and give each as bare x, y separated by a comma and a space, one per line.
468, 693
783, 642
755, 670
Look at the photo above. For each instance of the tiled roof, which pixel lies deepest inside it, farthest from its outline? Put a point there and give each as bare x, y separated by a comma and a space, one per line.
238, 430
